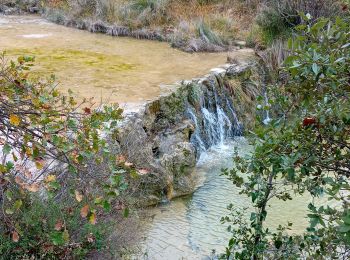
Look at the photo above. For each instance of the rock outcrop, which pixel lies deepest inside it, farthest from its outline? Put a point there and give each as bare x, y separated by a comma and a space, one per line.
169, 134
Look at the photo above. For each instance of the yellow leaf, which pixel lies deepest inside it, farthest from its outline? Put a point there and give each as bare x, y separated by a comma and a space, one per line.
92, 219
78, 196
14, 120
39, 163
15, 236
29, 151
50, 178
66, 236
84, 211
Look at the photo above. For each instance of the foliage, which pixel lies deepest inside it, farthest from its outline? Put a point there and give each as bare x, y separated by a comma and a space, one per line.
276, 17
55, 161
305, 149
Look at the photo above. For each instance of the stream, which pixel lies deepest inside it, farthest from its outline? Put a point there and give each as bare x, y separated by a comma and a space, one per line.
130, 71
110, 69
190, 228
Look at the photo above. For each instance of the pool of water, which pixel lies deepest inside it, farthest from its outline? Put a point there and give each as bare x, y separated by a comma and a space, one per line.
190, 228
110, 69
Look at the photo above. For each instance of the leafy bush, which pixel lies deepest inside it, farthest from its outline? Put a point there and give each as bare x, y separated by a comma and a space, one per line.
50, 230
277, 17
305, 149
57, 171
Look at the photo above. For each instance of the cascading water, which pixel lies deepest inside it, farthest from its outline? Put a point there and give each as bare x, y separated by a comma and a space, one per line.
196, 137
214, 120
267, 119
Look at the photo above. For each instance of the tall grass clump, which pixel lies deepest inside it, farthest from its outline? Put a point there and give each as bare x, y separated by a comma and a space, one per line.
207, 34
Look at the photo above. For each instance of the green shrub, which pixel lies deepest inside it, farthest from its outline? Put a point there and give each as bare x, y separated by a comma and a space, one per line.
303, 150
57, 173
48, 230
277, 17
272, 24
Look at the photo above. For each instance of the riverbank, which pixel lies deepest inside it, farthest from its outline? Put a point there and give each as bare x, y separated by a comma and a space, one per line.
193, 26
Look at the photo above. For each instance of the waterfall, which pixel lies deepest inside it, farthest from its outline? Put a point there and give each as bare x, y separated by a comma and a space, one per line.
213, 117
196, 137
267, 119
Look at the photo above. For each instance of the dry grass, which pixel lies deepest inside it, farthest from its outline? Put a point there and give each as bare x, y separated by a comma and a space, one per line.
212, 23
192, 25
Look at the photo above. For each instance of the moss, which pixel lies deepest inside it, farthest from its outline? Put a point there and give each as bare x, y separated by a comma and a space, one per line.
194, 95
154, 107
173, 105
49, 59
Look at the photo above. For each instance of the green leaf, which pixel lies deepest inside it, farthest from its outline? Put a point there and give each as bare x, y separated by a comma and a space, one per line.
315, 68
126, 212
6, 149
57, 238
344, 228
18, 204
9, 211
106, 205
278, 244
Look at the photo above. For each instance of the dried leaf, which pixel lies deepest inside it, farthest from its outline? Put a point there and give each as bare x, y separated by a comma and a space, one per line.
143, 171
90, 238
45, 106
128, 164
120, 159
33, 187
28, 174
87, 110
19, 180
15, 236
15, 120
59, 225
78, 196
84, 211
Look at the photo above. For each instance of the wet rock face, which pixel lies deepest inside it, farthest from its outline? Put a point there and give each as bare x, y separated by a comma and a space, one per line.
171, 132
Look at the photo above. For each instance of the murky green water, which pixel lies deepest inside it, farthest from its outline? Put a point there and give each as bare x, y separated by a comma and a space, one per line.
122, 70
190, 228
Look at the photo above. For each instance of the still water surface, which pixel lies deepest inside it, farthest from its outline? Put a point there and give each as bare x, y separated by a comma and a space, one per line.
95, 65
190, 228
